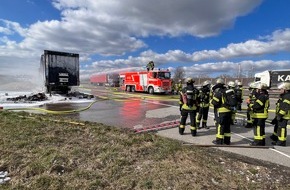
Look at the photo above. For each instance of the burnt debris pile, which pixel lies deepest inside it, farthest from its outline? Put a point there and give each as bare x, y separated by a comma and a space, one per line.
25, 98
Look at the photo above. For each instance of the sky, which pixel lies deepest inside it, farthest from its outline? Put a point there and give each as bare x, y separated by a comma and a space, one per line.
205, 37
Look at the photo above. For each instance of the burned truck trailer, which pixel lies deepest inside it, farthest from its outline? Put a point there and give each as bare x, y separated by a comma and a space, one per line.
61, 71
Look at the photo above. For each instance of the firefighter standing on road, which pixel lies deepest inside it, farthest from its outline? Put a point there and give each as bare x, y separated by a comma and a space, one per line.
232, 86
188, 106
274, 122
219, 84
260, 114
222, 114
178, 86
283, 114
204, 97
251, 99
239, 94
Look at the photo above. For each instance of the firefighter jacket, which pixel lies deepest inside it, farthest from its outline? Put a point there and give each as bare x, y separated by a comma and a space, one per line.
252, 97
239, 91
204, 97
260, 105
219, 100
284, 107
278, 104
178, 87
189, 98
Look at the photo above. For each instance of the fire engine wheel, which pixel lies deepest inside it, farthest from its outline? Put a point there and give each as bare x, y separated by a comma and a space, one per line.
128, 88
133, 89
151, 90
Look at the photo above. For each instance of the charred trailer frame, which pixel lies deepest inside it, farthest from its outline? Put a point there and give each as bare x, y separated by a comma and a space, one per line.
61, 71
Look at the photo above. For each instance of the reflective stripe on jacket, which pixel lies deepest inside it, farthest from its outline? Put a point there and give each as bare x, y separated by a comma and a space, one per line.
260, 106
284, 106
219, 102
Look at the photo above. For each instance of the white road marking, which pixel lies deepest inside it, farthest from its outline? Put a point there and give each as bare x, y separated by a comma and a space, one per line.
282, 153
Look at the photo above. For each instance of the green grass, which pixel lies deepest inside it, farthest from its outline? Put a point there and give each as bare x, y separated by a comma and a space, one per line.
41, 153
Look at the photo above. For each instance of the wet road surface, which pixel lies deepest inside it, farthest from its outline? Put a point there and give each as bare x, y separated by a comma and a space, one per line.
134, 110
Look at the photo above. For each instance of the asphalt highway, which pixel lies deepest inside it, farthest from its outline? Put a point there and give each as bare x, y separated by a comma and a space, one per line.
145, 111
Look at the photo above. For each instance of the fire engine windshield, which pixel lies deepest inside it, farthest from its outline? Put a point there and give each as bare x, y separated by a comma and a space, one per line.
163, 75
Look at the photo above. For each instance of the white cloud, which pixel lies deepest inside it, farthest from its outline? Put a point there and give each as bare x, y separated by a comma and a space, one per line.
117, 27
277, 42
243, 68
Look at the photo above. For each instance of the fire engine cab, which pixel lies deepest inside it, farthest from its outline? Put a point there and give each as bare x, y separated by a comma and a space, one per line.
153, 81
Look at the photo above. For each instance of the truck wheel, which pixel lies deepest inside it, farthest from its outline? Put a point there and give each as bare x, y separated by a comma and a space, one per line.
151, 90
133, 89
128, 88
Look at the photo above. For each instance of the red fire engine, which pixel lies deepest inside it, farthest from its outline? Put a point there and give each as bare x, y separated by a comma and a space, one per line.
156, 81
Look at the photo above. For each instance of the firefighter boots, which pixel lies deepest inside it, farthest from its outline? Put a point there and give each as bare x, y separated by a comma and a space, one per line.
257, 143
274, 137
249, 125
205, 126
193, 133
227, 140
181, 131
218, 141
279, 143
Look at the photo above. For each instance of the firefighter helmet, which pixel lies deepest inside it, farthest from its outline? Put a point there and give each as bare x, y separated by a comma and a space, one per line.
262, 86
240, 84
189, 80
205, 83
253, 85
220, 81
284, 85
231, 84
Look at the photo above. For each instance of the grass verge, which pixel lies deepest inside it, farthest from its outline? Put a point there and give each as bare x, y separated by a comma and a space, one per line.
40, 153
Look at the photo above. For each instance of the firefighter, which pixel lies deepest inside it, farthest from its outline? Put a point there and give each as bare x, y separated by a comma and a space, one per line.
283, 114
222, 114
188, 105
274, 122
150, 65
232, 86
178, 86
239, 94
204, 97
250, 100
215, 88
260, 113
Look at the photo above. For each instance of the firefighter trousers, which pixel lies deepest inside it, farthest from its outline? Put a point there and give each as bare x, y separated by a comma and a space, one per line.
282, 132
259, 131
184, 115
249, 117
202, 114
223, 128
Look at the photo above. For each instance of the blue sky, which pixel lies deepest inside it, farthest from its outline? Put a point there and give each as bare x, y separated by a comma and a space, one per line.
206, 37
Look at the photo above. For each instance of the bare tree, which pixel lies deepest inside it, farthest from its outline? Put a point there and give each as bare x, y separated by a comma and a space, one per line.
178, 74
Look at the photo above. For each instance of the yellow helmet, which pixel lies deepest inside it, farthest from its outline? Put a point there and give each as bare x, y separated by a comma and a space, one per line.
231, 84
189, 80
262, 86
205, 83
253, 85
220, 81
284, 85
240, 84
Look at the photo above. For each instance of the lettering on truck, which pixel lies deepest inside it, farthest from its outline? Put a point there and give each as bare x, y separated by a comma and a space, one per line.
283, 78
